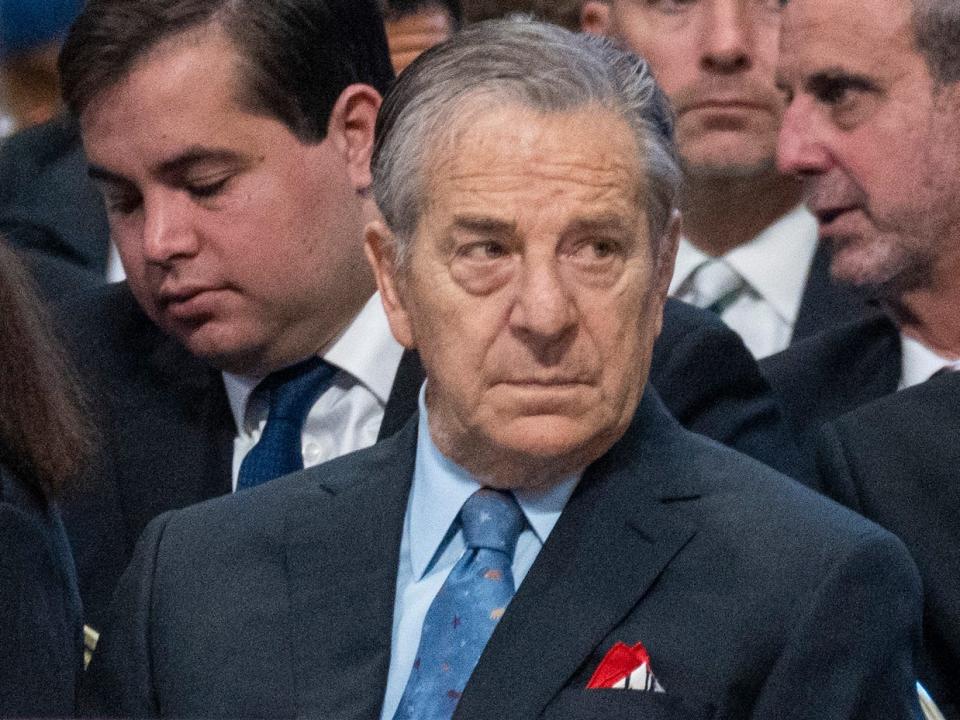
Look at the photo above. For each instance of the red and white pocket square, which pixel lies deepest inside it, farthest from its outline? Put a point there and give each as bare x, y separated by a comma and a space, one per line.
625, 668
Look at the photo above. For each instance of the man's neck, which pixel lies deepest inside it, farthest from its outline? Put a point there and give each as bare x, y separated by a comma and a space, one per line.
720, 214
931, 314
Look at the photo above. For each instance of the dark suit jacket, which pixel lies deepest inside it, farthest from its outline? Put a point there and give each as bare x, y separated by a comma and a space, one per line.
826, 303
827, 375
755, 597
896, 462
47, 202
168, 431
41, 636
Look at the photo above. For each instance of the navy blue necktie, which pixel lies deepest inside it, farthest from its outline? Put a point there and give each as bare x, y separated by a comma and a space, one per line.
465, 611
291, 393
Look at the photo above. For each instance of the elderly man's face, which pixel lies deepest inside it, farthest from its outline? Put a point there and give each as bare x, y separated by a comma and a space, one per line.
716, 61
875, 139
532, 291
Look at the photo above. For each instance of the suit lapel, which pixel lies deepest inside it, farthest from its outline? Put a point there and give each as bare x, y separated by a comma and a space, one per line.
341, 599
404, 395
612, 541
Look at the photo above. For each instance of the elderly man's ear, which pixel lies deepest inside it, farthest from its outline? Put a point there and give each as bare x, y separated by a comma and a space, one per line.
380, 248
595, 17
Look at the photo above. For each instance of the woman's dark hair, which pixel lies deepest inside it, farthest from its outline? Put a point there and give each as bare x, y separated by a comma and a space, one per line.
45, 434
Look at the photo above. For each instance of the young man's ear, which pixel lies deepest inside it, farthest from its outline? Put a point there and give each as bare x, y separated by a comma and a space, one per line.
379, 245
595, 17
351, 125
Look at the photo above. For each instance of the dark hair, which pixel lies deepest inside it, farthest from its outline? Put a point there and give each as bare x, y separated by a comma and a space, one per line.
299, 55
45, 436
936, 29
396, 9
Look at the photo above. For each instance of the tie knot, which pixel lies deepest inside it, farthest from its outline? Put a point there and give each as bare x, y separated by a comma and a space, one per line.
714, 285
292, 391
492, 519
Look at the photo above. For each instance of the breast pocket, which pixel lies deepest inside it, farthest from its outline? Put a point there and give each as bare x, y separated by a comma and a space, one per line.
582, 704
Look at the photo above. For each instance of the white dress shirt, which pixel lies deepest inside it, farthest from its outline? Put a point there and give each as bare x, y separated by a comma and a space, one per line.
775, 266
919, 363
348, 415
432, 543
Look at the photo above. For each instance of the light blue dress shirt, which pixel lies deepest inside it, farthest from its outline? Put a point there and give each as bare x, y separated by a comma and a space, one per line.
432, 543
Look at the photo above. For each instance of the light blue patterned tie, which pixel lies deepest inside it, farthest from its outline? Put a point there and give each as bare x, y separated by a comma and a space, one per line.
291, 393
466, 609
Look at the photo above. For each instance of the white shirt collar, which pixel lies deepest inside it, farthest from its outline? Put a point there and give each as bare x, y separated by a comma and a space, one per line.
775, 263
366, 350
920, 363
441, 487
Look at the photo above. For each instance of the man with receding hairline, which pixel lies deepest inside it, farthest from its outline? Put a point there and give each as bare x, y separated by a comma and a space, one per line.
749, 251
873, 127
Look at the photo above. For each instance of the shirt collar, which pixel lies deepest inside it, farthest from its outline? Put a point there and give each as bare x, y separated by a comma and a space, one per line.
920, 363
366, 350
775, 263
441, 487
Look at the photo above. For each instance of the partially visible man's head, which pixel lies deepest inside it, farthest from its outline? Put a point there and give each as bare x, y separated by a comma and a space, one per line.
872, 125
417, 25
528, 178
565, 13
716, 61
232, 139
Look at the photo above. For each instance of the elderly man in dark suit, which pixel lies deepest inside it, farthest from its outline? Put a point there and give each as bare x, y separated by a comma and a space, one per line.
243, 252
872, 127
543, 540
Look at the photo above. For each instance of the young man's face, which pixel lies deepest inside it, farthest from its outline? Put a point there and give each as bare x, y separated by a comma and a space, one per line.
237, 238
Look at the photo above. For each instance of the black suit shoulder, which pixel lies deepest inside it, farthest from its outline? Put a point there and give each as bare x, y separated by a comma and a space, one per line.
47, 202
41, 632
895, 461
709, 381
836, 371
166, 430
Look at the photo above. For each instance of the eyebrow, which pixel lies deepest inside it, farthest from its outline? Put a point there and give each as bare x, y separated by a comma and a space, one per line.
599, 223
174, 167
824, 79
484, 225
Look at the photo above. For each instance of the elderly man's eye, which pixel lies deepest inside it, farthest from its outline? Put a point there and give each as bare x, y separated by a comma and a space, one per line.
486, 250
596, 249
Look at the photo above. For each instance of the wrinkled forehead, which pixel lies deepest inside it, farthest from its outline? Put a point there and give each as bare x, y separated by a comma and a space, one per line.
510, 145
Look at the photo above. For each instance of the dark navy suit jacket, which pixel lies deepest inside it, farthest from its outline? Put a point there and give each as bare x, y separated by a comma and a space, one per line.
41, 632
821, 378
755, 597
168, 431
897, 462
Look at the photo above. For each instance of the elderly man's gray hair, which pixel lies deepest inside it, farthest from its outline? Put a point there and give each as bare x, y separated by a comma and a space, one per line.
516, 61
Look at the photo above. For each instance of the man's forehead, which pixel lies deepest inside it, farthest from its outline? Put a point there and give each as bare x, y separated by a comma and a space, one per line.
821, 34
511, 146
